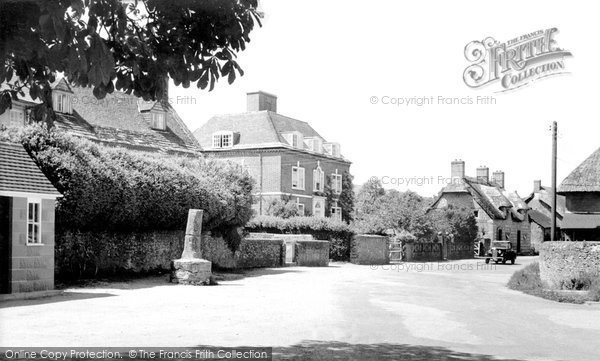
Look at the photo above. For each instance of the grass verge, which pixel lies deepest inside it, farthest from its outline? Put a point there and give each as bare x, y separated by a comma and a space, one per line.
528, 280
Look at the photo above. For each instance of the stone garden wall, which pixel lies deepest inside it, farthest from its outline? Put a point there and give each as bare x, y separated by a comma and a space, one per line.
370, 249
562, 261
428, 251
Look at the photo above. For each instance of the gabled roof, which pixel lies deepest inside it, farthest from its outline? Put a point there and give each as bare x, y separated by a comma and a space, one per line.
19, 173
117, 120
545, 198
257, 129
495, 201
584, 178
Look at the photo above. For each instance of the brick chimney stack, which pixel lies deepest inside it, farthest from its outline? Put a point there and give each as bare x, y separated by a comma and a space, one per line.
483, 174
537, 185
498, 178
457, 171
259, 101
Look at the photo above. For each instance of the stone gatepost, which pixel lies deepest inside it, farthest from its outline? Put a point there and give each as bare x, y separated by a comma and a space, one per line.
191, 269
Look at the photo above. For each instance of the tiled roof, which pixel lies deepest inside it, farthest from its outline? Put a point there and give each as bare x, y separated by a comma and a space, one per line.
118, 120
584, 178
19, 173
258, 129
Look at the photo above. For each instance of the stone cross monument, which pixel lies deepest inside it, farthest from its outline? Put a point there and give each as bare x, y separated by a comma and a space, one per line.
191, 269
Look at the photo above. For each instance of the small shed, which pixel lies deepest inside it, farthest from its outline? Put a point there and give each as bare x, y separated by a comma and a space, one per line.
27, 204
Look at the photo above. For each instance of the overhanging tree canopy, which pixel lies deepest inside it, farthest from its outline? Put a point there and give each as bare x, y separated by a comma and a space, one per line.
130, 45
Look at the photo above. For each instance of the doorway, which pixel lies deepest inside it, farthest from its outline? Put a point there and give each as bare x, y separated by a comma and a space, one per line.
5, 244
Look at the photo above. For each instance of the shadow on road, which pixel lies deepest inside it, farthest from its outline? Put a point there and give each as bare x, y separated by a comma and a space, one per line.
318, 350
65, 297
234, 275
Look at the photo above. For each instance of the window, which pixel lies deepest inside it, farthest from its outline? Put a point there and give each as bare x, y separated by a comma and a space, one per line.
223, 140
34, 224
295, 139
318, 207
157, 121
314, 144
62, 102
332, 149
298, 178
17, 117
318, 179
336, 213
300, 207
336, 183
500, 235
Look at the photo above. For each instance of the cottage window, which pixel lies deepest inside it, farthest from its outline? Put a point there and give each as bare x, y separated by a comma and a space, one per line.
295, 139
223, 140
17, 117
62, 103
336, 183
34, 224
158, 121
298, 178
318, 179
500, 234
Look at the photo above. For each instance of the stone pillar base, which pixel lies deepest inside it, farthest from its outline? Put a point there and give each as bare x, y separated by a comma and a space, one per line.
193, 271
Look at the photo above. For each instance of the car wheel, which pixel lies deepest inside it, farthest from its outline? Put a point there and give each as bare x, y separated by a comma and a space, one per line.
512, 261
487, 260
503, 261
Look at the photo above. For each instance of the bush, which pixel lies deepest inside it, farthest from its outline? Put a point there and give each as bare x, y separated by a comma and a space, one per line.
526, 279
336, 232
284, 208
121, 190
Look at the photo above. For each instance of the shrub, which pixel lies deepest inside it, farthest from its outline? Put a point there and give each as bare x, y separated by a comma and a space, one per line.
284, 208
527, 278
123, 190
337, 232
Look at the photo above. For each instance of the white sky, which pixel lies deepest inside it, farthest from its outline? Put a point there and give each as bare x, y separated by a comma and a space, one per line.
325, 59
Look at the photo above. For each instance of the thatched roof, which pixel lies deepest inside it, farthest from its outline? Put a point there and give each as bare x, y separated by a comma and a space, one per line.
585, 178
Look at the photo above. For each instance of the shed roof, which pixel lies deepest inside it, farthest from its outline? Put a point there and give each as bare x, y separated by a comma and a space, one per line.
19, 173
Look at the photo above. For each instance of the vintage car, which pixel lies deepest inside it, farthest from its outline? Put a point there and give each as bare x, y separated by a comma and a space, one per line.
501, 251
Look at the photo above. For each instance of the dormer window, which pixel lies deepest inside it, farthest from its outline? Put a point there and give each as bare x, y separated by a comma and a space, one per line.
158, 121
222, 140
295, 139
332, 149
62, 102
314, 144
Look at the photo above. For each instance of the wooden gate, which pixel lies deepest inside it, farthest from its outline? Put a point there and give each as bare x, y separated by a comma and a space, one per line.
396, 251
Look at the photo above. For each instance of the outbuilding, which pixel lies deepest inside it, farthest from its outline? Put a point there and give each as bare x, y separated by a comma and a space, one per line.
27, 205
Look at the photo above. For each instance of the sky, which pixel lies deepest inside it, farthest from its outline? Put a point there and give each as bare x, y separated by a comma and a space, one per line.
326, 60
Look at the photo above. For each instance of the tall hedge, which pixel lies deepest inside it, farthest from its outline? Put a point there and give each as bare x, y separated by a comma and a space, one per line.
116, 189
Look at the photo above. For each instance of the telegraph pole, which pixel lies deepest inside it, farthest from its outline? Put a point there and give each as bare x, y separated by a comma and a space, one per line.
554, 137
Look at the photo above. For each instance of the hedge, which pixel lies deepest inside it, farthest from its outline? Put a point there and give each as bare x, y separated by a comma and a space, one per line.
338, 233
121, 190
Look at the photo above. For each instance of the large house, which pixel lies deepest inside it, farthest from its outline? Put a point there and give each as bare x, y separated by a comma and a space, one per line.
287, 157
117, 120
500, 215
581, 188
540, 213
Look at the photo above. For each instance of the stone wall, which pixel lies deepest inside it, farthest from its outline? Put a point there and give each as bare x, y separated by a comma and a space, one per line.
561, 261
370, 249
312, 253
427, 251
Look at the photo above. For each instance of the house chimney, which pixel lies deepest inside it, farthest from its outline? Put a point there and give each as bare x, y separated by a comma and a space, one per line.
258, 101
498, 178
537, 185
457, 171
483, 174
